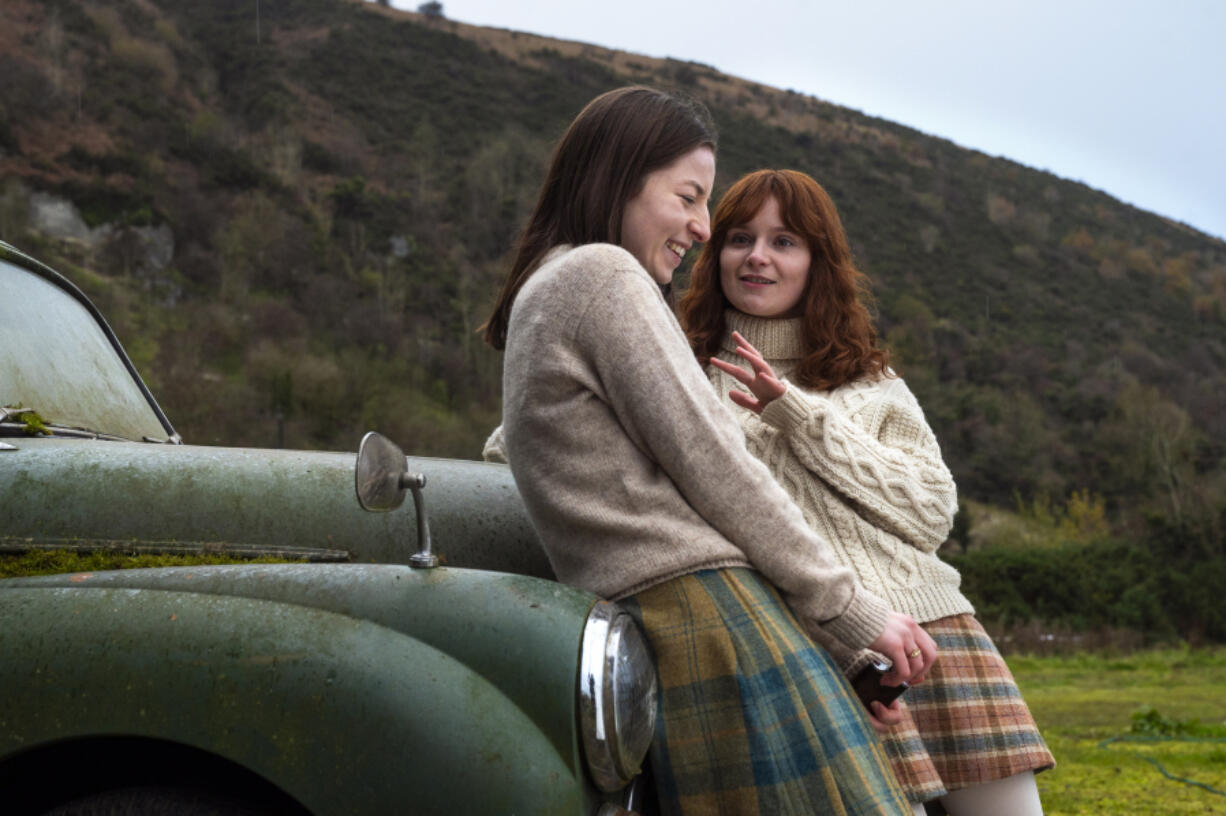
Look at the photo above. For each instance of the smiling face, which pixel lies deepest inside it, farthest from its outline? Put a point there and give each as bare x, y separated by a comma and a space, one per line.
764, 266
670, 213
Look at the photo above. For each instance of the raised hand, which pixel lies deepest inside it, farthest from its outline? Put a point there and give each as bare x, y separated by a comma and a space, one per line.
762, 383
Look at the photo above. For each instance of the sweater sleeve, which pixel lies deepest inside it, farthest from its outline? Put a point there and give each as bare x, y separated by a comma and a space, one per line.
495, 449
662, 400
897, 478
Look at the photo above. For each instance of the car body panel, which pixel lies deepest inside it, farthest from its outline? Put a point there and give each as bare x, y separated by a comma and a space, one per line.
188, 498
310, 675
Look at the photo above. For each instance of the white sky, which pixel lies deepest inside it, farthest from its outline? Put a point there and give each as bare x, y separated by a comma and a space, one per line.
1127, 96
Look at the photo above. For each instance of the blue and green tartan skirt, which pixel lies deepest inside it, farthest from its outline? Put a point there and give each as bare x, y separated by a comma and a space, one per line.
753, 717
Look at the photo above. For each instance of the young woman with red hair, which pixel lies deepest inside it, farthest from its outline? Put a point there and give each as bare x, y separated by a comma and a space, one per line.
775, 310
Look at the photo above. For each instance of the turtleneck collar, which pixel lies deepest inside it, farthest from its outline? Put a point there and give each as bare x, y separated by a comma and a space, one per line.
777, 338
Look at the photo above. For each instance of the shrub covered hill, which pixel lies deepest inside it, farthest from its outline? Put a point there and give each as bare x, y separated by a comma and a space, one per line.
296, 214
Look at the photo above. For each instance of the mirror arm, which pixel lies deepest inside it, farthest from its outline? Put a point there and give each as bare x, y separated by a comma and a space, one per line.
424, 558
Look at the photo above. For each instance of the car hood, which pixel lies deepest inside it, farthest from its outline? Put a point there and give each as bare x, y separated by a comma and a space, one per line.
93, 494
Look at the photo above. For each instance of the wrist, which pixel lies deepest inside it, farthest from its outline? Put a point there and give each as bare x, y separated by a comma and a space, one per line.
787, 411
862, 622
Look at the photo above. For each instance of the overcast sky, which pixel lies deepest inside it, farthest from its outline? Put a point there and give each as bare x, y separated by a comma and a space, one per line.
1127, 96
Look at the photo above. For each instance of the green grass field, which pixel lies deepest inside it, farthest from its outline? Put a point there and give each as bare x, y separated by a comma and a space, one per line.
1081, 701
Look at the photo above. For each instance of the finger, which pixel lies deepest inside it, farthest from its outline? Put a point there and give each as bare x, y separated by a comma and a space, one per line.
755, 359
748, 347
909, 664
745, 401
919, 649
916, 661
900, 672
749, 352
733, 370
927, 647
889, 714
885, 716
761, 368
875, 720
743, 343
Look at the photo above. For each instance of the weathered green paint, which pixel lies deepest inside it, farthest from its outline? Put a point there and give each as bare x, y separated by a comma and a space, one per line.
59, 490
449, 689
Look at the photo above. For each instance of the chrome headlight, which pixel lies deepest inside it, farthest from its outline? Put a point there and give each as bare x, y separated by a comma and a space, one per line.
617, 696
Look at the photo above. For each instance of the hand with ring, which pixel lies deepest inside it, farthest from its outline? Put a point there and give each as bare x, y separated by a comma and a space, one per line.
909, 648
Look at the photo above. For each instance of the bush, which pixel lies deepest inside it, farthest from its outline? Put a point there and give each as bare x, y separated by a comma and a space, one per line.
1163, 583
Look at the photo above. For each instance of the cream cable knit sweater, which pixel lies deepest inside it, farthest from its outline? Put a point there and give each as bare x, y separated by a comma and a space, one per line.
631, 469
864, 466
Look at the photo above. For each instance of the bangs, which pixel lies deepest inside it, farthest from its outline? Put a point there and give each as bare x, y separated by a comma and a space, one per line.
798, 207
740, 204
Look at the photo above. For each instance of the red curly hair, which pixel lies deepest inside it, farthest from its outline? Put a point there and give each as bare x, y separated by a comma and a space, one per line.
839, 337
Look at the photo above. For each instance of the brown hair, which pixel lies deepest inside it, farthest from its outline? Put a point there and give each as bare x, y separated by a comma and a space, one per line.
840, 341
598, 166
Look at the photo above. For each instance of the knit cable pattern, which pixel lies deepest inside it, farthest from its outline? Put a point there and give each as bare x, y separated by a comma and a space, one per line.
865, 468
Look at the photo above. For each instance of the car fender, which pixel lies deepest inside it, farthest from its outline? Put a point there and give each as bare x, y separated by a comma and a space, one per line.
315, 678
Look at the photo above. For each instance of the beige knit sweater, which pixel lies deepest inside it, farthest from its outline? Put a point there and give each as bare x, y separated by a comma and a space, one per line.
864, 466
631, 469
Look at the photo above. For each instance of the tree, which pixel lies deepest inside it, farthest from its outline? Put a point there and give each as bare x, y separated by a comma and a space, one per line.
1150, 448
431, 9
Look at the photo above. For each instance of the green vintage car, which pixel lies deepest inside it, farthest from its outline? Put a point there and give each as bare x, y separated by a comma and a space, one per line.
416, 659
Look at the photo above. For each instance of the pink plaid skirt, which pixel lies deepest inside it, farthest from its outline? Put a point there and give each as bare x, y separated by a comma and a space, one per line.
966, 724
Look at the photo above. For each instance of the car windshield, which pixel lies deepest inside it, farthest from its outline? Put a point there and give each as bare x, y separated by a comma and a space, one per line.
56, 360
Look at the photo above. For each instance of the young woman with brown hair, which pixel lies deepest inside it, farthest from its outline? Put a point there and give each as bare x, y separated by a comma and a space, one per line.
775, 310
639, 484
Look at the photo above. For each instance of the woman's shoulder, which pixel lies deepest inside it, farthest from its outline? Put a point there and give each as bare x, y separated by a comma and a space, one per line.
594, 259
872, 390
885, 403
894, 388
608, 268
576, 274
876, 383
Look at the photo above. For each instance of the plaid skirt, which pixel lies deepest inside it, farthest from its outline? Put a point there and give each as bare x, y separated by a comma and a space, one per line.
966, 724
753, 717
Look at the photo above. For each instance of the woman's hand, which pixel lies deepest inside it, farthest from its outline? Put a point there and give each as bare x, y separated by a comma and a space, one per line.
884, 717
909, 648
762, 383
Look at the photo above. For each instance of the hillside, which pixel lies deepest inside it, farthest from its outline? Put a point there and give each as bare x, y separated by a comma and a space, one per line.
296, 223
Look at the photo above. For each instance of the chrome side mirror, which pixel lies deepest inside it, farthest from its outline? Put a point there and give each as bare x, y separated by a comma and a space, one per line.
380, 478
